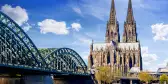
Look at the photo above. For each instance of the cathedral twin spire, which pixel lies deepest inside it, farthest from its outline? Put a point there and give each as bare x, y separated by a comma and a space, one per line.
130, 17
130, 34
113, 55
112, 31
113, 17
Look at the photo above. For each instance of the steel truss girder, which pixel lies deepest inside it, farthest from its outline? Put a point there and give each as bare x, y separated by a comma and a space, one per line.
5, 44
72, 58
17, 49
22, 38
17, 45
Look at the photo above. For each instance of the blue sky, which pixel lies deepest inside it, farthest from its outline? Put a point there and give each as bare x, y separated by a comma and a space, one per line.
74, 23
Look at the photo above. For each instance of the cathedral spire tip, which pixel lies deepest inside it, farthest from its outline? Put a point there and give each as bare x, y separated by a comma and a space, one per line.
112, 12
130, 17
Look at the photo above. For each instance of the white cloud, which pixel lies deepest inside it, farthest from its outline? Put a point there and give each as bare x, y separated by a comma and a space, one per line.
26, 27
91, 34
152, 69
155, 66
160, 31
91, 7
96, 9
163, 64
85, 55
76, 26
81, 40
147, 57
50, 25
17, 13
77, 10
101, 8
85, 40
97, 31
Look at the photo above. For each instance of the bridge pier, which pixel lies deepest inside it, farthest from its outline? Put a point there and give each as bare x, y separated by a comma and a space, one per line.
9, 80
37, 79
71, 79
60, 81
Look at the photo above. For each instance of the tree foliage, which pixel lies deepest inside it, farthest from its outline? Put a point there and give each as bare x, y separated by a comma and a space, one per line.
106, 75
145, 77
163, 78
155, 78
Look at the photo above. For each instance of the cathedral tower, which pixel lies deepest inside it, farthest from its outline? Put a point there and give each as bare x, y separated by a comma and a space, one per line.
112, 31
119, 56
129, 34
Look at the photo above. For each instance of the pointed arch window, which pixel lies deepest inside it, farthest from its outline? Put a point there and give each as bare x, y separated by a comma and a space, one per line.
108, 57
115, 58
134, 59
124, 56
107, 32
91, 59
115, 33
130, 62
112, 33
121, 60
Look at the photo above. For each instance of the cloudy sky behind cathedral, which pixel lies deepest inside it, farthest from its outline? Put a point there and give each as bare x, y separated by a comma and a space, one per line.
74, 23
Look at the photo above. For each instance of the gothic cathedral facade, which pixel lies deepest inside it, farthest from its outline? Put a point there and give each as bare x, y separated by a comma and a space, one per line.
119, 55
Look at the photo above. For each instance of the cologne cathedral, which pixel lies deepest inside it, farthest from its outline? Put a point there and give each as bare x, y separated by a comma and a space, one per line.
119, 55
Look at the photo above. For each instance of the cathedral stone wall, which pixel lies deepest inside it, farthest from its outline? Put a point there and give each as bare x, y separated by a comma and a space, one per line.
119, 55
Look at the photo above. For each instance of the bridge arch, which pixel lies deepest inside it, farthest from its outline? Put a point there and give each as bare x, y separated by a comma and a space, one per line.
71, 59
16, 48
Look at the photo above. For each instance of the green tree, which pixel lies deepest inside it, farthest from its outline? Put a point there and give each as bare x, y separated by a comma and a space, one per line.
163, 79
145, 77
155, 78
105, 75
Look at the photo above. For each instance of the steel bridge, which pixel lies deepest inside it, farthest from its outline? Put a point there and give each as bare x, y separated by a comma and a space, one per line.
19, 53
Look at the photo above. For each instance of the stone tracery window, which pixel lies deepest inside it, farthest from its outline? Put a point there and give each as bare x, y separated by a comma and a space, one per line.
124, 56
107, 32
115, 58
115, 33
121, 60
108, 57
130, 62
134, 59
112, 33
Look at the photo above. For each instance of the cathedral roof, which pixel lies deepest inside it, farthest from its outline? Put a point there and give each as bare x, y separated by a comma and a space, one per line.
129, 46
124, 46
163, 70
100, 46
